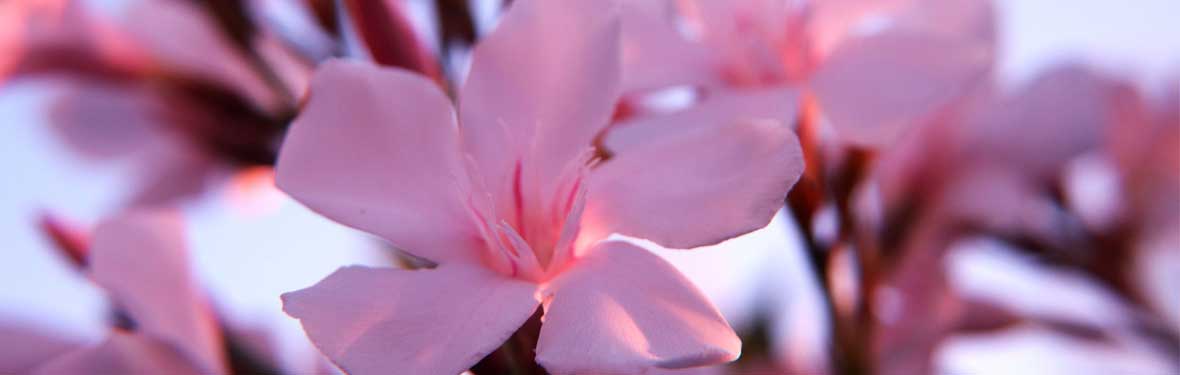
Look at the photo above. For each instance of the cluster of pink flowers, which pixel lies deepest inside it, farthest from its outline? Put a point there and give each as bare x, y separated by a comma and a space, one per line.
519, 191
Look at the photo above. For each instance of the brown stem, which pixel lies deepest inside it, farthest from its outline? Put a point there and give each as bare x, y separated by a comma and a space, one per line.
856, 168
805, 200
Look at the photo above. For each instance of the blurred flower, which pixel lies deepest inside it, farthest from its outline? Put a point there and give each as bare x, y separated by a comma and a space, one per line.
1062, 320
139, 258
512, 203
874, 67
1010, 168
161, 84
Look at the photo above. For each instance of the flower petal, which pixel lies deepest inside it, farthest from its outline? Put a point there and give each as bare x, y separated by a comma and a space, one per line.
542, 85
140, 258
1062, 114
695, 188
830, 22
621, 309
718, 108
169, 170
123, 353
377, 149
656, 55
923, 65
756, 39
103, 120
436, 321
26, 347
58, 36
184, 40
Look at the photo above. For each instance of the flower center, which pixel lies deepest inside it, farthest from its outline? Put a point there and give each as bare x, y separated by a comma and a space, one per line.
531, 234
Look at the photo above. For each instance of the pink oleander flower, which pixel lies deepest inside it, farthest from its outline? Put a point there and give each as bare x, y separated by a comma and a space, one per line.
140, 260
872, 67
158, 84
508, 196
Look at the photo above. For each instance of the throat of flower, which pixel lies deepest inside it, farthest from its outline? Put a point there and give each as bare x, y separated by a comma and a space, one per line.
561, 219
535, 239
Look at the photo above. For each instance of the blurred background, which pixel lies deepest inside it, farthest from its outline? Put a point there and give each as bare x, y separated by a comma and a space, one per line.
250, 243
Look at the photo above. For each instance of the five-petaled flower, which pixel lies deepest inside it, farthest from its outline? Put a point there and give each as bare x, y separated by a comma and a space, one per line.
512, 201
